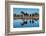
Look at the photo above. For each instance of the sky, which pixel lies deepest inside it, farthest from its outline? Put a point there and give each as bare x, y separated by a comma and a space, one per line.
28, 10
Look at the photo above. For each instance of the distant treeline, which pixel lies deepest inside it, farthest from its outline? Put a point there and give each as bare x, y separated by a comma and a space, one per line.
26, 14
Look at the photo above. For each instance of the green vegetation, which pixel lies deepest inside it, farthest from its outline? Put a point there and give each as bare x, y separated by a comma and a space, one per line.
36, 14
33, 14
26, 14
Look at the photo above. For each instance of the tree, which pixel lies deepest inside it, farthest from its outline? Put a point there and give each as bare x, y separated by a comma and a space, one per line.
25, 22
36, 14
22, 12
32, 21
30, 14
26, 14
33, 14
17, 15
